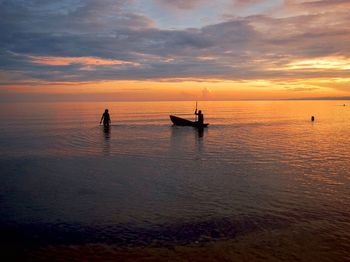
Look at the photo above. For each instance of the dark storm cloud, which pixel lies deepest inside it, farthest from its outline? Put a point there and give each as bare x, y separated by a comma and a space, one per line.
240, 48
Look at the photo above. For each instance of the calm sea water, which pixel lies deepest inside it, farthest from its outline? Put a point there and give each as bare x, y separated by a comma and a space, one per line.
262, 182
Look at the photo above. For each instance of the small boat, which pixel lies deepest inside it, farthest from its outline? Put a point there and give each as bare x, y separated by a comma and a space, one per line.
178, 121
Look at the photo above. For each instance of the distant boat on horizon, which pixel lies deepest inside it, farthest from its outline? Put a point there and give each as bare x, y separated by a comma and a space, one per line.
178, 121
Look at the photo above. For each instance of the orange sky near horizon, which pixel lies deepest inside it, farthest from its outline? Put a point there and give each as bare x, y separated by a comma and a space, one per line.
182, 89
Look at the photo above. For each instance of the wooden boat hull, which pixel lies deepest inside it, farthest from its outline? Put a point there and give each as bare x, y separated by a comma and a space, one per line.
178, 121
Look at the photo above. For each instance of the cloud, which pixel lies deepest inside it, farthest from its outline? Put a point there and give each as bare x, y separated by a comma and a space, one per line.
298, 7
63, 61
104, 40
302, 89
181, 4
206, 94
254, 3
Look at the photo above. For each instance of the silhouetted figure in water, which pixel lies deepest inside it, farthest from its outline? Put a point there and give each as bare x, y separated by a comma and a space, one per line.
200, 120
105, 118
200, 131
106, 132
106, 146
312, 118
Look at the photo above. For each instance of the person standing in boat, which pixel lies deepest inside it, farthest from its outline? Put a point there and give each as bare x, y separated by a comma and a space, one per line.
200, 120
105, 118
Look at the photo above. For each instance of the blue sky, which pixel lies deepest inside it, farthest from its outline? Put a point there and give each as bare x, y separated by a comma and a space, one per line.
196, 14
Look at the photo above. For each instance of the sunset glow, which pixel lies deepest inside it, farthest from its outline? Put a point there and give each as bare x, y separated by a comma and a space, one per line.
335, 63
61, 61
175, 130
173, 50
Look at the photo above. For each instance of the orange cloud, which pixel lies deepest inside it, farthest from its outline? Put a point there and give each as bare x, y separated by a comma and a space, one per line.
337, 63
62, 61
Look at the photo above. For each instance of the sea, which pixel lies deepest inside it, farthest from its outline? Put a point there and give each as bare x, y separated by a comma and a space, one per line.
262, 183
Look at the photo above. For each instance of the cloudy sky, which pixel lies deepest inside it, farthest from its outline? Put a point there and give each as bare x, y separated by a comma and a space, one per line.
174, 49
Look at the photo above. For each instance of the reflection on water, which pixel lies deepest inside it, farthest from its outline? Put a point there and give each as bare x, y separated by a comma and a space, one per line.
106, 136
200, 132
262, 172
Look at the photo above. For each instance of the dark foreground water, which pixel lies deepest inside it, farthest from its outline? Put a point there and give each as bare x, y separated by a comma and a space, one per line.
261, 183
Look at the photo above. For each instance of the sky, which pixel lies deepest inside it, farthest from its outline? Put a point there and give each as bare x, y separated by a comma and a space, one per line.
132, 50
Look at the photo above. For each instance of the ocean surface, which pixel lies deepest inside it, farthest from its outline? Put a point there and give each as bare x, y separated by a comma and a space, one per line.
262, 182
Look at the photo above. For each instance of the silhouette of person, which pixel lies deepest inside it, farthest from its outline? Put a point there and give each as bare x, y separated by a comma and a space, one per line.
106, 118
200, 117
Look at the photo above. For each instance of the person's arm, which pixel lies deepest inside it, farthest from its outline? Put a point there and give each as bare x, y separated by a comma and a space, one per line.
195, 112
101, 119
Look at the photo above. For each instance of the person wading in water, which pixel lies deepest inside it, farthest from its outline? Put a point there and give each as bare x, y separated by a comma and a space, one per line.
105, 118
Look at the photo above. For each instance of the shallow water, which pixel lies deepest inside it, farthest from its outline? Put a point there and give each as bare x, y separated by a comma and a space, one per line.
261, 169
